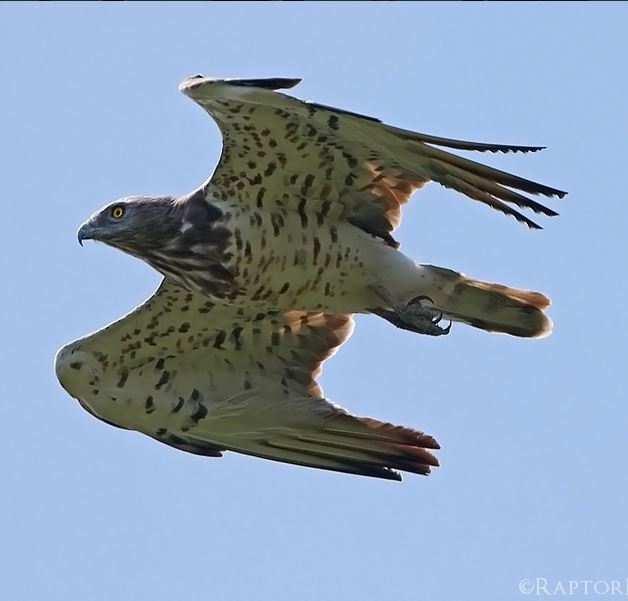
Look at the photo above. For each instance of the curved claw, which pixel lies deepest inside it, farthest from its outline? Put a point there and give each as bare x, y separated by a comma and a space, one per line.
422, 297
446, 330
436, 320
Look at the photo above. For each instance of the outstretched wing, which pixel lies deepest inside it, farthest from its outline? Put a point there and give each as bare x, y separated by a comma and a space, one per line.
279, 151
208, 378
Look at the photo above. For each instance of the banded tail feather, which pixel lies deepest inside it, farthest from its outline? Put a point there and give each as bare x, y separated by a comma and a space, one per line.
490, 307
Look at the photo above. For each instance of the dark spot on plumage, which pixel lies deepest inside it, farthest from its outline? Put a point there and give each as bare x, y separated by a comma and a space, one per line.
221, 336
163, 380
270, 169
161, 432
123, 378
149, 404
284, 288
277, 222
184, 327
199, 414
76, 364
236, 336
275, 339
307, 183
317, 249
260, 197
302, 212
178, 406
351, 160
258, 293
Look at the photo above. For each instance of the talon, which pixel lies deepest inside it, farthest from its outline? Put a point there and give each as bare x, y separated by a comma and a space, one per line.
438, 318
446, 330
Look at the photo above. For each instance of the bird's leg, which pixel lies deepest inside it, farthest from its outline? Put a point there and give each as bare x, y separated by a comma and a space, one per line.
414, 316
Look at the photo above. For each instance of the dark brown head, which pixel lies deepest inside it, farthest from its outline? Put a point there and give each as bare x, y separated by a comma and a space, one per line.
178, 237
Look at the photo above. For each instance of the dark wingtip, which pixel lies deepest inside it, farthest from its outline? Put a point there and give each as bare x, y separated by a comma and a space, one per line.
395, 476
269, 83
523, 149
549, 192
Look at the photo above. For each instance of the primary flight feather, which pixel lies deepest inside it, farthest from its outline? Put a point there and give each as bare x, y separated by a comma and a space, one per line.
263, 266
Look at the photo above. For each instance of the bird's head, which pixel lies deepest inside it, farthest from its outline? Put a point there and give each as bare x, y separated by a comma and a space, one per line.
134, 224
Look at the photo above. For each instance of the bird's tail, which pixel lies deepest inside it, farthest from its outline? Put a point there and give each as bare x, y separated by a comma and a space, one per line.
491, 307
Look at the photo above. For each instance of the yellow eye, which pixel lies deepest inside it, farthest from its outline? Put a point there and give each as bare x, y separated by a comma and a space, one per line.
117, 212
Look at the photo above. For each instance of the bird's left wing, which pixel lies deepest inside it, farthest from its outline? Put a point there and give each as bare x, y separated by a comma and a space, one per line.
207, 378
283, 153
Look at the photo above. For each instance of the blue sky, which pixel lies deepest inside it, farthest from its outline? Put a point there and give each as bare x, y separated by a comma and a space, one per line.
533, 480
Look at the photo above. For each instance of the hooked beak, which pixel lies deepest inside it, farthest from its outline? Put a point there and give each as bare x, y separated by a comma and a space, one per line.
85, 233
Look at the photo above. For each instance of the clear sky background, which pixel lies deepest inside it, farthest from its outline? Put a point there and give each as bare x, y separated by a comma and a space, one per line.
533, 480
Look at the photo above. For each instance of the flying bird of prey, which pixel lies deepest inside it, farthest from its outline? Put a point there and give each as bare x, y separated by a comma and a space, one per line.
264, 265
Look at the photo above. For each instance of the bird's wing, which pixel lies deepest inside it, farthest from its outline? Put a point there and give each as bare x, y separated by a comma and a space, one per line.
208, 378
279, 151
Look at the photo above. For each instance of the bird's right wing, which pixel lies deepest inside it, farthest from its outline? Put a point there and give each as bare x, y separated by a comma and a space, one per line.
207, 378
